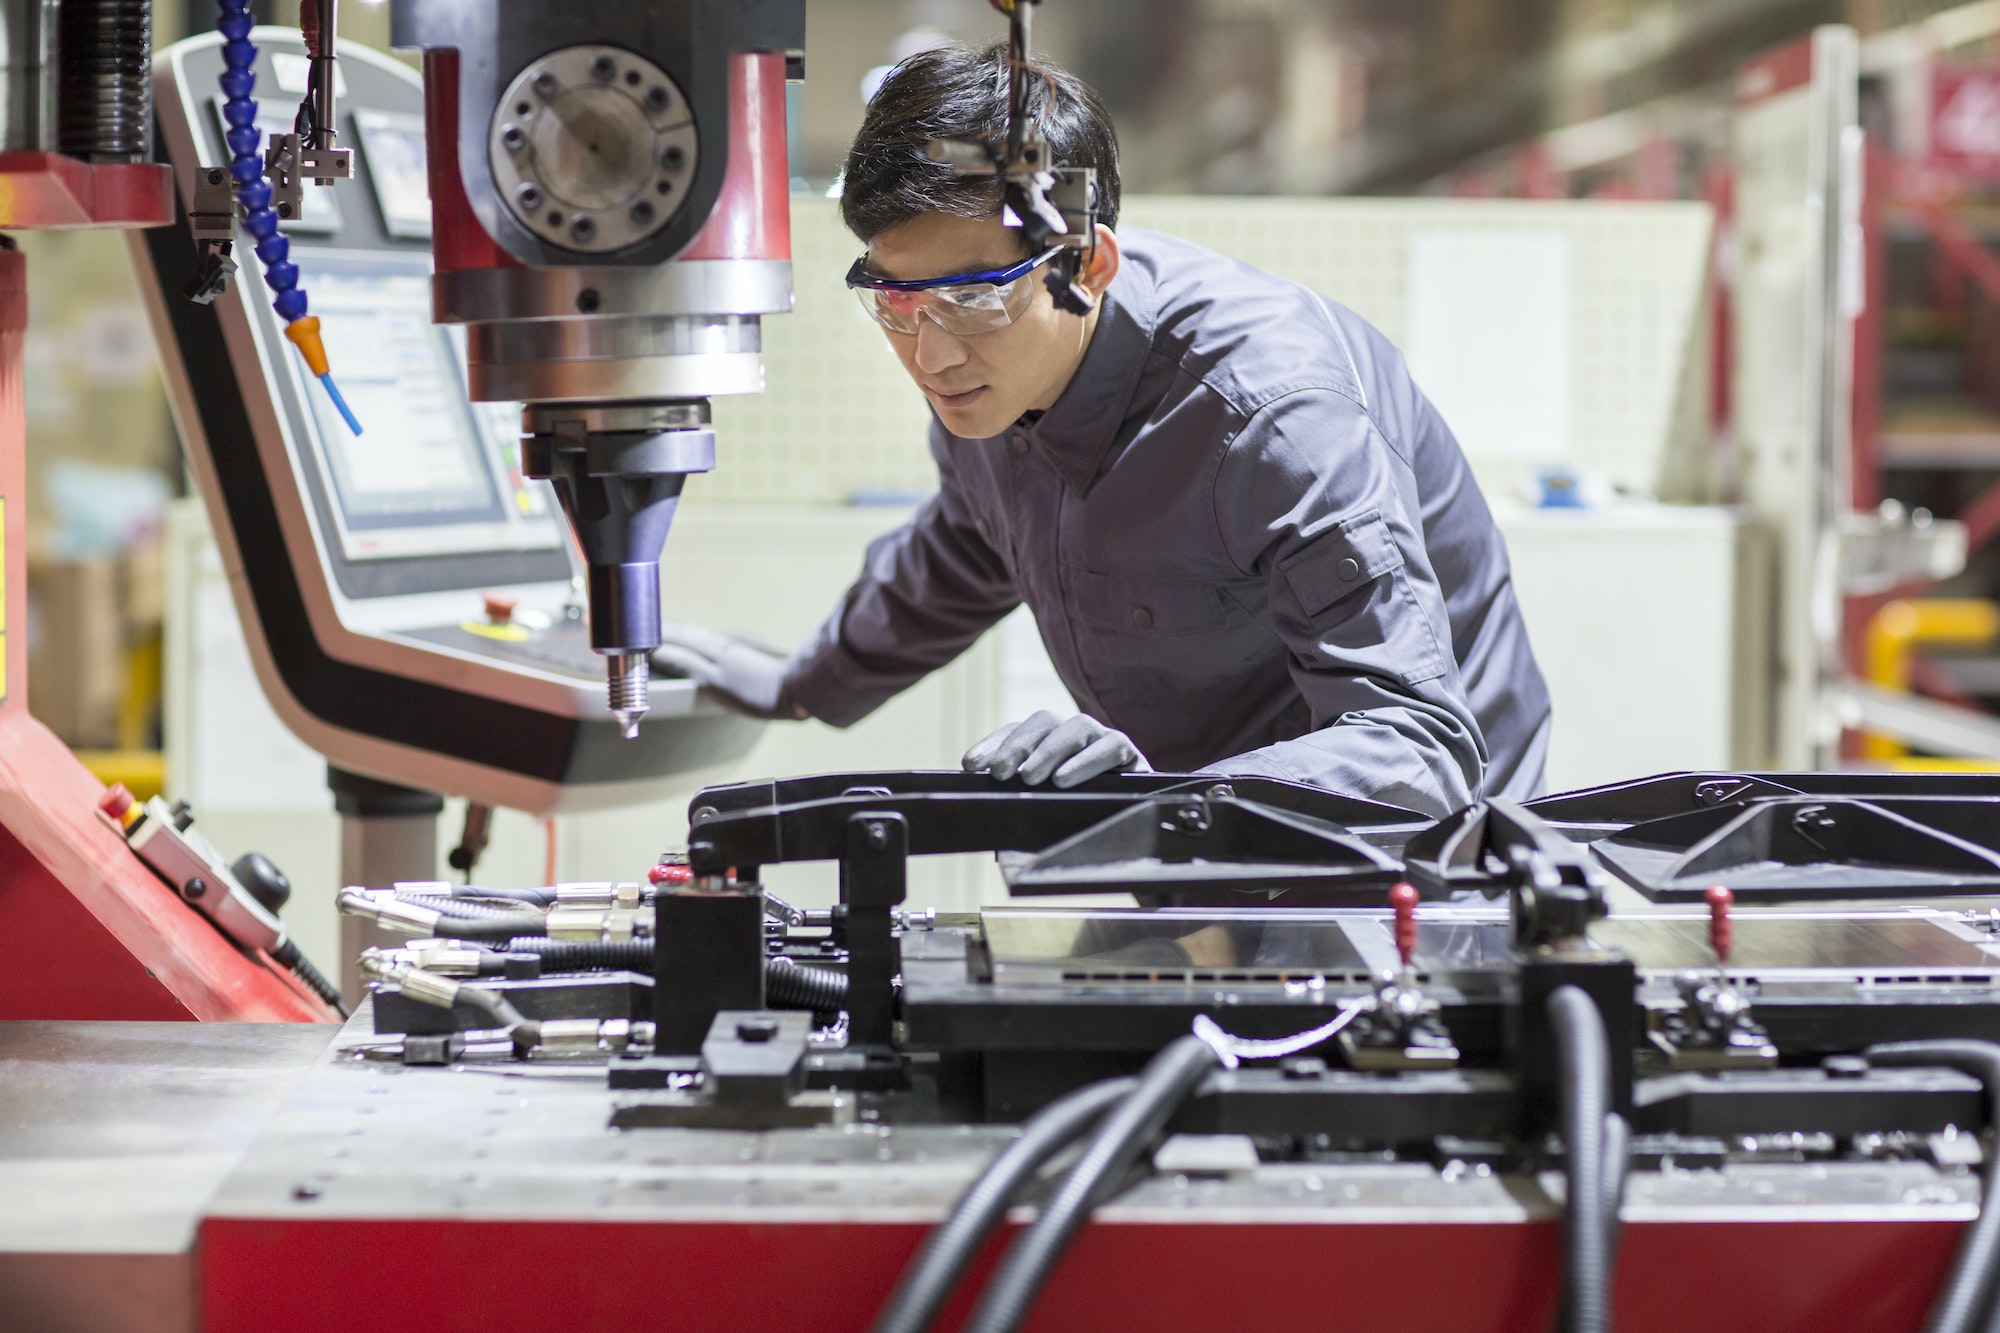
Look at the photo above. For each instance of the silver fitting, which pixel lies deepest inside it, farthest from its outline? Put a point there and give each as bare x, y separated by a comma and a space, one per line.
569, 1035
387, 912
447, 958
429, 988
600, 924
601, 893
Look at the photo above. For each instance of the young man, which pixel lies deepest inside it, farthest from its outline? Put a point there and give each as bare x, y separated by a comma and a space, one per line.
1250, 543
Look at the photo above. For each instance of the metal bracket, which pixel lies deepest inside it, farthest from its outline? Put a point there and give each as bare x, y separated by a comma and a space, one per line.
873, 883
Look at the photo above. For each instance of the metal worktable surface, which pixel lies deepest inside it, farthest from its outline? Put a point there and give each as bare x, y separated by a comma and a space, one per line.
499, 1199
112, 1138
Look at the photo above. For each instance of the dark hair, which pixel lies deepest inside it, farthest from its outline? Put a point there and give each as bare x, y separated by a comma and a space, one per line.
958, 92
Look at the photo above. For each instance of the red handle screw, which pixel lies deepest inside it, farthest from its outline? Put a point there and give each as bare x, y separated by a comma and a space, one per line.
1403, 899
1720, 935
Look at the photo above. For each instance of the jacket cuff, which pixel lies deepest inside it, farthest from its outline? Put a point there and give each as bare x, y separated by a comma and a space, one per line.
825, 680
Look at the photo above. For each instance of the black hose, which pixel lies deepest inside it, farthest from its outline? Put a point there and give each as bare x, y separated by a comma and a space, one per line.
1098, 1173
788, 985
500, 1013
1584, 1056
586, 955
953, 1244
301, 967
1971, 1283
460, 907
532, 897
494, 931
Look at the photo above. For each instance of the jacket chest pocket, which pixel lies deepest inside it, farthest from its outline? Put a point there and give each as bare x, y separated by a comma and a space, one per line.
1147, 643
1353, 590
1152, 608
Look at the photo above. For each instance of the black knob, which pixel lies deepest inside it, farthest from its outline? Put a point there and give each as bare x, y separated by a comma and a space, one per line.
267, 883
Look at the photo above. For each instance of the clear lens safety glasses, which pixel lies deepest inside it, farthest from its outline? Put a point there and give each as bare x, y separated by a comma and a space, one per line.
961, 305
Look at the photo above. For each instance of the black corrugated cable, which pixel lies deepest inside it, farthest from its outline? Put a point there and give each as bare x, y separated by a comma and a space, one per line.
1971, 1284
302, 968
1100, 1172
952, 1245
1584, 1056
787, 985
460, 907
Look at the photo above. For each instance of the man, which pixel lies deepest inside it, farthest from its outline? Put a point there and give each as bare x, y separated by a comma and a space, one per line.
1250, 543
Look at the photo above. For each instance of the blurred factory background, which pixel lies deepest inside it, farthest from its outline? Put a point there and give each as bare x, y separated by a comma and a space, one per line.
1551, 205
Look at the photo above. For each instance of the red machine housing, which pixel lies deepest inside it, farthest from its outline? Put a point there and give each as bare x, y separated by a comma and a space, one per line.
752, 217
100, 937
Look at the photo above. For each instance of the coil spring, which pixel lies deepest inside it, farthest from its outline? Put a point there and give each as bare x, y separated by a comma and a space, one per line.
246, 165
104, 84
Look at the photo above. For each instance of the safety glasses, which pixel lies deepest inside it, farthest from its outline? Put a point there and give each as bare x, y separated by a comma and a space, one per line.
961, 305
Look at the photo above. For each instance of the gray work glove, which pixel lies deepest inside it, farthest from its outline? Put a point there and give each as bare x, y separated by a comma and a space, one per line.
749, 676
1069, 750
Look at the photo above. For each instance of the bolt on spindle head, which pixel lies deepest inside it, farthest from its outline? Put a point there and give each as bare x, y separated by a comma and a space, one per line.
627, 677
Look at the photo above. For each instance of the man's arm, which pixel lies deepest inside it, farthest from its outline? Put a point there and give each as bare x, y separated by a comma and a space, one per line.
1315, 500
926, 592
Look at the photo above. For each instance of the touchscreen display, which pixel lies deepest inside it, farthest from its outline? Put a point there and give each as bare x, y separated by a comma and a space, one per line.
419, 460
392, 142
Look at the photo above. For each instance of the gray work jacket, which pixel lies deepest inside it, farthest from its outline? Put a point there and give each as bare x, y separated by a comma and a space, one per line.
1249, 541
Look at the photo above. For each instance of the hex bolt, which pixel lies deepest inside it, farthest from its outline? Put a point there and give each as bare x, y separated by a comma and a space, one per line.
529, 196
642, 213
657, 98
604, 69
583, 229
514, 138
673, 157
545, 84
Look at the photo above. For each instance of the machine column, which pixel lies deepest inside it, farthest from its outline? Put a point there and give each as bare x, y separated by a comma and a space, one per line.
387, 833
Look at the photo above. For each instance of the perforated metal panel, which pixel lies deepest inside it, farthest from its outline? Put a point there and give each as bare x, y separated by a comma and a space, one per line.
839, 416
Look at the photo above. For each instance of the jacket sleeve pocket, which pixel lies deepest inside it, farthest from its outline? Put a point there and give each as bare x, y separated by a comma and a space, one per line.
1352, 588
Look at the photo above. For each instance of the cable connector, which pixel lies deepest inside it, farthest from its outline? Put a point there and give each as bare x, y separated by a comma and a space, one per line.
386, 911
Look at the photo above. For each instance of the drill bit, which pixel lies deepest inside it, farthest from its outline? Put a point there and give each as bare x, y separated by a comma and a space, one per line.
626, 677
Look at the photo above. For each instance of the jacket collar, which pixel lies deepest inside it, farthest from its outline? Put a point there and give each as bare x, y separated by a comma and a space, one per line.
1079, 432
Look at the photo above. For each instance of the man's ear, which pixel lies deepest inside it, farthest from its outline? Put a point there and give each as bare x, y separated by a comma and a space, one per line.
1096, 274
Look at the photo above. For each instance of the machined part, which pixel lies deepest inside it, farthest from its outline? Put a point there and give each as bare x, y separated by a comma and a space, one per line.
105, 98
684, 287
588, 358
649, 417
593, 148
627, 681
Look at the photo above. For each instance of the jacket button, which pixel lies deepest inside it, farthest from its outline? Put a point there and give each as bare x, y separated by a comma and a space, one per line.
1349, 569
1141, 618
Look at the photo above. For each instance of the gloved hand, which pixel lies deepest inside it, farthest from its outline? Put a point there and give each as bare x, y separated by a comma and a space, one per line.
1042, 745
749, 676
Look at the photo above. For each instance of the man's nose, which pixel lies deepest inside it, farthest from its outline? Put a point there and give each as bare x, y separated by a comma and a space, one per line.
936, 349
